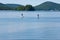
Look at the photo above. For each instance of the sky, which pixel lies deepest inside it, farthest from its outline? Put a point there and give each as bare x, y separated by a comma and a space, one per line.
25, 2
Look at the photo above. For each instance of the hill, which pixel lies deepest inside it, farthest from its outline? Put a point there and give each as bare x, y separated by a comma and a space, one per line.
8, 6
48, 6
13, 5
4, 7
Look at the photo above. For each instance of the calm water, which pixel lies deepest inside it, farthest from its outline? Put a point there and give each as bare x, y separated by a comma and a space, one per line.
13, 27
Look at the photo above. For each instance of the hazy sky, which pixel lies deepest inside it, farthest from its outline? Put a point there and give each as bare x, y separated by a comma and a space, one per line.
24, 2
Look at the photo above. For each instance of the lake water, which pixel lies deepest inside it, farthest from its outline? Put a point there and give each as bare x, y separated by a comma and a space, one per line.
13, 27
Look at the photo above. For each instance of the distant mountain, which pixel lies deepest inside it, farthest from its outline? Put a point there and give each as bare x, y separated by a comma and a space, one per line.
8, 6
13, 5
48, 6
4, 7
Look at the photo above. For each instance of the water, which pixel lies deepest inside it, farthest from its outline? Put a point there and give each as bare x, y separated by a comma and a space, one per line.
13, 27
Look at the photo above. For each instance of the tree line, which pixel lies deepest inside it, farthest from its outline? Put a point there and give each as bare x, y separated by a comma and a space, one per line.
26, 8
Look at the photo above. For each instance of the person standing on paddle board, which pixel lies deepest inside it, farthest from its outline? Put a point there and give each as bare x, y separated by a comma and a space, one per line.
38, 16
22, 15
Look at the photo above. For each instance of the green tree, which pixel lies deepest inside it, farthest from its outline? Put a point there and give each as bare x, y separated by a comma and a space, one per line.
20, 8
29, 8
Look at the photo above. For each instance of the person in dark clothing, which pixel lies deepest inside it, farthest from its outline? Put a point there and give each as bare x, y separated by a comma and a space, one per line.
38, 16
22, 15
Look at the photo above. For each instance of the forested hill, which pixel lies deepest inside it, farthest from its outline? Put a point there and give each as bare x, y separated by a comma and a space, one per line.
8, 6
48, 6
3, 7
13, 5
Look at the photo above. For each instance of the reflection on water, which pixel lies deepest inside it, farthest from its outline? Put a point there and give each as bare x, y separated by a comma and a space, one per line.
30, 28
47, 27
